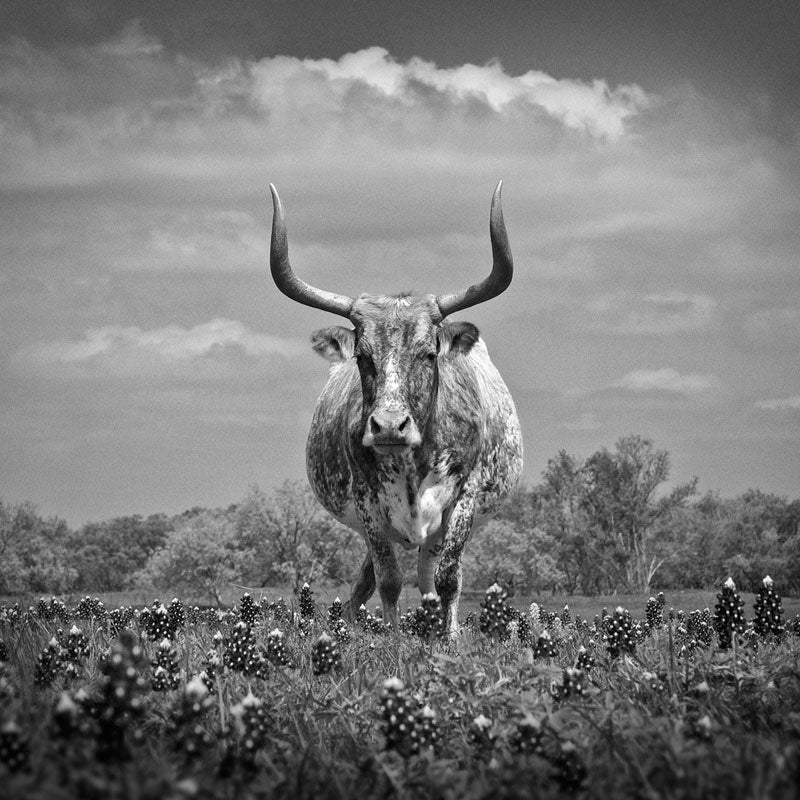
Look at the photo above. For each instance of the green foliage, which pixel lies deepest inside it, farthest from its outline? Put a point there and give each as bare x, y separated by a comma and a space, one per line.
106, 555
596, 525
292, 539
592, 526
524, 559
34, 556
200, 554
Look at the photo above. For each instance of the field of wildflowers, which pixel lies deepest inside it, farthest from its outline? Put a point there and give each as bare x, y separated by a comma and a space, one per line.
269, 700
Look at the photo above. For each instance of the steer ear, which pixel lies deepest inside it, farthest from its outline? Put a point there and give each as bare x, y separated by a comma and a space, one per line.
336, 344
457, 337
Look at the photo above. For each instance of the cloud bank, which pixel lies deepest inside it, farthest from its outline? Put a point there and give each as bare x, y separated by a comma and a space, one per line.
669, 381
114, 346
780, 404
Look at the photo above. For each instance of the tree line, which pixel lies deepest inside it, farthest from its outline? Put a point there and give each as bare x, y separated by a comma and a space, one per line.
596, 525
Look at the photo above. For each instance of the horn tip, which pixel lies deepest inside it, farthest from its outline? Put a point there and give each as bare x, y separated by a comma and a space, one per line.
276, 200
497, 195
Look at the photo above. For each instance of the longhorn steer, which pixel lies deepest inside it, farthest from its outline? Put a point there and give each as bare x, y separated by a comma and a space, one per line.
415, 432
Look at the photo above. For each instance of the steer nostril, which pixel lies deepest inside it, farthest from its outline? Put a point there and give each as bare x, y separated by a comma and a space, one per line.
374, 427
402, 426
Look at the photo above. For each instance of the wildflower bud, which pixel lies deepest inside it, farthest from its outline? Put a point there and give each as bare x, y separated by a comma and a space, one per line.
306, 602
334, 612
397, 713
325, 655
768, 622
427, 728
252, 725
428, 621
495, 613
14, 748
247, 610
571, 769
480, 735
165, 667
728, 615
276, 650
527, 737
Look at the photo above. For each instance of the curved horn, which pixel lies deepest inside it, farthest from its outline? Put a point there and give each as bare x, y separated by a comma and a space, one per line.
502, 267
284, 276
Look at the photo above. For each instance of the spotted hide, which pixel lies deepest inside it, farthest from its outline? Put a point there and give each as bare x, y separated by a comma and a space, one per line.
415, 434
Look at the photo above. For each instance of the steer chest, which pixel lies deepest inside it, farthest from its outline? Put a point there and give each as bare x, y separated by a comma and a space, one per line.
412, 510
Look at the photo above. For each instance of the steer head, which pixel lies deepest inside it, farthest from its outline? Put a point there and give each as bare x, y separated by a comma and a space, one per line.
398, 342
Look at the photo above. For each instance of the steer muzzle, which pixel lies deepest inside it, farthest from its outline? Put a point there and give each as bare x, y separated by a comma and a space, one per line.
391, 432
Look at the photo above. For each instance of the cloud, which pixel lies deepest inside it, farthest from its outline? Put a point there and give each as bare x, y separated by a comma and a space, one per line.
129, 107
593, 108
669, 381
131, 41
586, 422
131, 348
781, 404
651, 314
775, 328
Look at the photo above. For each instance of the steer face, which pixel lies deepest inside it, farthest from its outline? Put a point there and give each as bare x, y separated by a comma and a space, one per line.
397, 343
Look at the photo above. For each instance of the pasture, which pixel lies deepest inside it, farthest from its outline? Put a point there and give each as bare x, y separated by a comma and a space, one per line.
284, 699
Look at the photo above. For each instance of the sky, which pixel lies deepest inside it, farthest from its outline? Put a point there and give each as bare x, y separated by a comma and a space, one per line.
650, 155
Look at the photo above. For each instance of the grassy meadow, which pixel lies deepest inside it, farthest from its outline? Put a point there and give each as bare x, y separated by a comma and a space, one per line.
282, 698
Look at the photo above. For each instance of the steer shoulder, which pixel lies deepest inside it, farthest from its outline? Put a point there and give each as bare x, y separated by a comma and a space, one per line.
498, 463
327, 463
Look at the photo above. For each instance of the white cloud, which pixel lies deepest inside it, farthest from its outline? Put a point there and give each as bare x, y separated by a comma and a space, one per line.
593, 108
780, 404
651, 314
777, 327
669, 381
128, 107
132, 41
129, 346
586, 422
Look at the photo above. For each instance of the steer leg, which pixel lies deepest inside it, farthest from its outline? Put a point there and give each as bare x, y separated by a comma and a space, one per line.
363, 589
388, 578
428, 554
448, 573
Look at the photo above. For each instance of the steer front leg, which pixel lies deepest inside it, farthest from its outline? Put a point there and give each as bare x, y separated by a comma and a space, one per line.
448, 572
363, 589
388, 577
426, 566
386, 573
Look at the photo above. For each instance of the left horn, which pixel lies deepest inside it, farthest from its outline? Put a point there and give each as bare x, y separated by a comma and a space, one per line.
502, 267
283, 274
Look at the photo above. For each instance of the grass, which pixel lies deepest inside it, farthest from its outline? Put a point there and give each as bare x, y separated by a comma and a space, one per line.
503, 718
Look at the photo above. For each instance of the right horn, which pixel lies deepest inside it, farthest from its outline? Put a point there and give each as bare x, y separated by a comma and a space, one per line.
284, 276
502, 266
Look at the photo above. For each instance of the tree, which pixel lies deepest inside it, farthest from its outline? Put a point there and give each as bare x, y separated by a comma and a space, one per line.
106, 555
580, 551
756, 536
619, 497
200, 555
33, 551
293, 539
522, 559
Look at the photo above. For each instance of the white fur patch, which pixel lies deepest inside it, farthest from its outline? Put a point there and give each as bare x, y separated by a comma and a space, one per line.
415, 513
